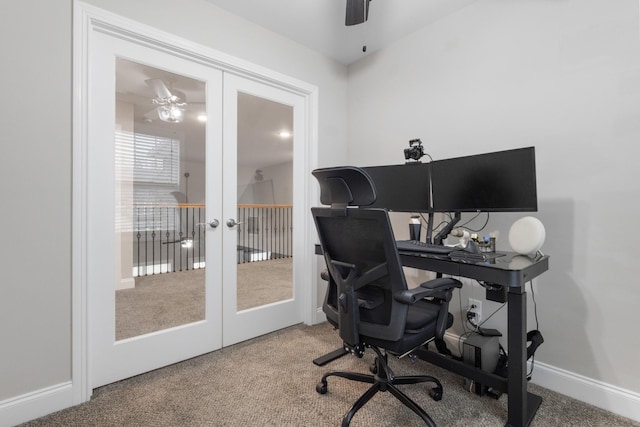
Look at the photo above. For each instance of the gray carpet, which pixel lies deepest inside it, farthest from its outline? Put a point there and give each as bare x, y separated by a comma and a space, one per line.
163, 301
270, 381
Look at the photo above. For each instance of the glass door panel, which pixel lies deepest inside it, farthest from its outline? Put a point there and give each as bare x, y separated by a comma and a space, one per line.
260, 127
265, 201
160, 195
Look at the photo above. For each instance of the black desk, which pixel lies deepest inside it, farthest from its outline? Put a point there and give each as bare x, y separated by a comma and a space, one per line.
513, 271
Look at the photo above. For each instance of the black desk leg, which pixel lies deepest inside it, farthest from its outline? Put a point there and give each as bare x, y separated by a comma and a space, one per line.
522, 405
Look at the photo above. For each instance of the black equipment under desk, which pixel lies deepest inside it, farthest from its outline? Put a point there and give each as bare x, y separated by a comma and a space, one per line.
511, 270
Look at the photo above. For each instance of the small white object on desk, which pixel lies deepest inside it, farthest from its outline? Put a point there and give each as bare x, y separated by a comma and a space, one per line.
527, 235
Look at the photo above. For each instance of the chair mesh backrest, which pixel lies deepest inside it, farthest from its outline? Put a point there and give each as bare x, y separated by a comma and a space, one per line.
364, 237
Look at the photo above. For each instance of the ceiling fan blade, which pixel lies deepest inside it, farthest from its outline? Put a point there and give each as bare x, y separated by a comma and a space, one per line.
159, 88
357, 12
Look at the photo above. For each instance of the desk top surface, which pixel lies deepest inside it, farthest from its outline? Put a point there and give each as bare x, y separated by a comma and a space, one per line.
512, 269
507, 260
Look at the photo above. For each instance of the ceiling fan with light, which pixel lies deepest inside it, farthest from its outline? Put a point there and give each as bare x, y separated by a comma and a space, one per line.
170, 104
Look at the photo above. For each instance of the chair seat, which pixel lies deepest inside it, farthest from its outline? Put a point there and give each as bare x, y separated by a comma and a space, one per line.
421, 327
420, 314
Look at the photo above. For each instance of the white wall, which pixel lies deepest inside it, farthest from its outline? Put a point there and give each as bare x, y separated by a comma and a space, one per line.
276, 186
35, 185
35, 278
563, 76
282, 177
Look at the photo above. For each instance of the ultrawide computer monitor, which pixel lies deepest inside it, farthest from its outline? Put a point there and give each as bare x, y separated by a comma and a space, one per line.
503, 181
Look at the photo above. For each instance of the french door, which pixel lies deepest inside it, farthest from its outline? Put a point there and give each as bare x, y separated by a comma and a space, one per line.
165, 226
265, 227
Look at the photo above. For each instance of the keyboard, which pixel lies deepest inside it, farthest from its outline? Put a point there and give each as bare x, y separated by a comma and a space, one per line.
418, 246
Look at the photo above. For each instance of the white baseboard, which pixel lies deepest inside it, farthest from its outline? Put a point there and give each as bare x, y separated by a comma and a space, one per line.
36, 404
597, 393
320, 316
128, 283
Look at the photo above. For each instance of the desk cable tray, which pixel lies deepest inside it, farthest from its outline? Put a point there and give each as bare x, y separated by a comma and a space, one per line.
471, 256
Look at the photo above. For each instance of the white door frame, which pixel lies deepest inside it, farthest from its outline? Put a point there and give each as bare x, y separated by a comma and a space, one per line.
89, 20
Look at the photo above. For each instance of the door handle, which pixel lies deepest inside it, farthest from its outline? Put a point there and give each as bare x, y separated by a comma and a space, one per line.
213, 223
232, 223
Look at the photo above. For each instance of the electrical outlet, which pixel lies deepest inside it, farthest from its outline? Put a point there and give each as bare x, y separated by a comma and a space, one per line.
475, 306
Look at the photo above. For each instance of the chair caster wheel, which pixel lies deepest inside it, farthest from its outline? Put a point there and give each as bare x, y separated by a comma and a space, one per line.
373, 368
436, 393
321, 388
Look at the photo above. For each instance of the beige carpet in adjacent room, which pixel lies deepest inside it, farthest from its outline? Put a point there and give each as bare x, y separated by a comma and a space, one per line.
162, 301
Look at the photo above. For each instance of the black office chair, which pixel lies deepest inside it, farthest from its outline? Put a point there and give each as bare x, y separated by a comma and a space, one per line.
367, 298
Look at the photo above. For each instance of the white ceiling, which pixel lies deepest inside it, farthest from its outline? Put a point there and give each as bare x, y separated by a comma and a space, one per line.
319, 24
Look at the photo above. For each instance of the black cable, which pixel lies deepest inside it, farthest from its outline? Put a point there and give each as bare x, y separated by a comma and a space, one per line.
491, 315
442, 223
464, 225
437, 227
477, 214
464, 328
468, 320
535, 313
425, 223
474, 217
535, 305
477, 327
474, 328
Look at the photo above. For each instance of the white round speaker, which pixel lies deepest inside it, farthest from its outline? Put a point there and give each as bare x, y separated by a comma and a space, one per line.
527, 235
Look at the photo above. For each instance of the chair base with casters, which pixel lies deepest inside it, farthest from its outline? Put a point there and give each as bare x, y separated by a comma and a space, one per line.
384, 380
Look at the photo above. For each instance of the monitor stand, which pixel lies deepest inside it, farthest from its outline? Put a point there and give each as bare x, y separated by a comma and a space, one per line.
429, 228
446, 230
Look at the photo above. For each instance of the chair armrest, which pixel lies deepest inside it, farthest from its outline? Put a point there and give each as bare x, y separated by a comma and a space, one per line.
441, 284
410, 296
432, 288
443, 287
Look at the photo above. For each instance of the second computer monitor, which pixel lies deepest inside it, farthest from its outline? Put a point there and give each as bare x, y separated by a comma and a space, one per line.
503, 181
402, 188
